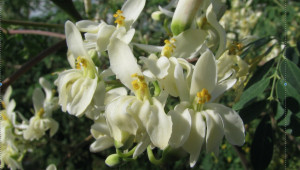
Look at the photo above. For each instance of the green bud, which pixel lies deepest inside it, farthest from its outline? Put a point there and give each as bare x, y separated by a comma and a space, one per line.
113, 160
184, 15
157, 15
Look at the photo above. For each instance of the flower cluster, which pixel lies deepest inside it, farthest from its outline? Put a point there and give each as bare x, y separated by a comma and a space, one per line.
133, 118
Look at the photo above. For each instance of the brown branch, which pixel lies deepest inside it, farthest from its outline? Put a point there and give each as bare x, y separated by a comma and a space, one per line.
36, 32
25, 67
29, 23
246, 164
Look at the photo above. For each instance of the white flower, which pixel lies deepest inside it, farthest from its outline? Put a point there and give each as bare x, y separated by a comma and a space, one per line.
8, 154
98, 35
78, 86
196, 122
141, 115
43, 107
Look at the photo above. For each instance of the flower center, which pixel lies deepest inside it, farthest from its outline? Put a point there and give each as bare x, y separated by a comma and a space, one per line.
81, 63
3, 114
3, 104
119, 18
140, 87
168, 48
202, 97
41, 112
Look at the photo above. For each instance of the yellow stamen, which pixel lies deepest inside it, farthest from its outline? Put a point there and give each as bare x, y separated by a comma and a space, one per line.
168, 48
235, 48
140, 86
3, 105
119, 18
3, 114
41, 112
203, 96
80, 62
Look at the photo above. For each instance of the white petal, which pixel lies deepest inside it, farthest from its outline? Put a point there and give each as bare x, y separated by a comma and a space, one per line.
221, 88
104, 35
87, 26
101, 144
169, 83
205, 74
47, 87
196, 137
122, 62
181, 127
159, 126
212, 20
131, 10
127, 36
181, 83
215, 132
38, 98
166, 11
100, 125
142, 146
233, 124
74, 40
53, 127
7, 95
149, 48
188, 42
159, 67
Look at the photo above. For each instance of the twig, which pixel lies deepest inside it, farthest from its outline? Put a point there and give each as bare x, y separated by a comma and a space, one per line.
37, 32
25, 67
243, 158
29, 23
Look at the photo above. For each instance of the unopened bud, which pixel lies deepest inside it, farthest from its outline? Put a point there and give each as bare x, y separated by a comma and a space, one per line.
157, 15
113, 160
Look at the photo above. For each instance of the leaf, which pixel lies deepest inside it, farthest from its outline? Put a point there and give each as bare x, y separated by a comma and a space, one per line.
251, 93
291, 72
262, 145
283, 92
261, 73
291, 54
251, 112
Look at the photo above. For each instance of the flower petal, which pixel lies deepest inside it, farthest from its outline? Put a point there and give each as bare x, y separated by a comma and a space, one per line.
142, 146
87, 26
181, 127
205, 74
103, 37
122, 62
159, 126
159, 67
196, 137
233, 124
38, 98
149, 48
74, 40
181, 83
215, 132
188, 43
101, 144
221, 88
131, 11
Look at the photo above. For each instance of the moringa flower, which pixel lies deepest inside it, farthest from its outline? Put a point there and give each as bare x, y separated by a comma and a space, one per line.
196, 121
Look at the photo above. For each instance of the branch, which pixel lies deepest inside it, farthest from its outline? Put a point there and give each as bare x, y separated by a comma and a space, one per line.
25, 67
243, 158
36, 32
69, 8
29, 23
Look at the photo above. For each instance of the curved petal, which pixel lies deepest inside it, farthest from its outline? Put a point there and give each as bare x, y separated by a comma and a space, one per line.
47, 87
196, 137
103, 37
7, 94
87, 26
188, 43
38, 98
166, 11
149, 48
131, 11
53, 127
181, 83
215, 132
159, 126
233, 124
74, 40
212, 19
181, 127
101, 144
205, 74
159, 67
122, 62
221, 88
142, 146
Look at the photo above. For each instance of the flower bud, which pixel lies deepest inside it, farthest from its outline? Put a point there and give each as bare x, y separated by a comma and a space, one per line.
184, 15
157, 15
113, 160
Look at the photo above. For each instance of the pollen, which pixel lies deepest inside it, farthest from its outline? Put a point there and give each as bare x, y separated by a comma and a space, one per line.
235, 48
41, 112
119, 18
3, 114
169, 47
80, 62
203, 96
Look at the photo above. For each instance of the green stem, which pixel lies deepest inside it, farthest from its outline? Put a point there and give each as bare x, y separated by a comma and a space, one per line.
152, 158
275, 76
125, 155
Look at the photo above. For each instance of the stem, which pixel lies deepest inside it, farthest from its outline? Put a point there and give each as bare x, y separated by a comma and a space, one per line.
125, 155
152, 158
25, 67
274, 76
243, 158
36, 32
33, 24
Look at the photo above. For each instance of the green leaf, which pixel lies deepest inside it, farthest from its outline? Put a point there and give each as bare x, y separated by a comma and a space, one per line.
291, 72
251, 93
261, 73
286, 91
251, 112
262, 145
